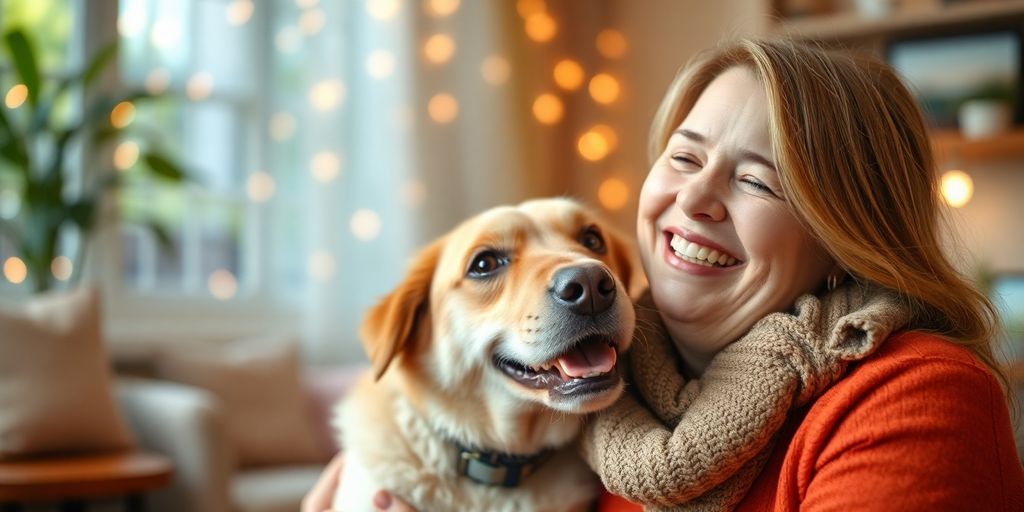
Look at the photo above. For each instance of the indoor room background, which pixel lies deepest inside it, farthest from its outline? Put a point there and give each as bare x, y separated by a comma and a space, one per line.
323, 141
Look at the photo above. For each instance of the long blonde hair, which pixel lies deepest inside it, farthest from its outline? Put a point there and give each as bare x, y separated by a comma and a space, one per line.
857, 168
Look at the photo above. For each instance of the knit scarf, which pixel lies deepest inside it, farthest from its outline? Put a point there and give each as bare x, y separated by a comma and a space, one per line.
674, 443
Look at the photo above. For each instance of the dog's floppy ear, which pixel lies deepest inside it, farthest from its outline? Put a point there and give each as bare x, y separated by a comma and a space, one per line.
391, 324
626, 263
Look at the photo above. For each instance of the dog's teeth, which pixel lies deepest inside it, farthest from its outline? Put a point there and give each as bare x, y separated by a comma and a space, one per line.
592, 374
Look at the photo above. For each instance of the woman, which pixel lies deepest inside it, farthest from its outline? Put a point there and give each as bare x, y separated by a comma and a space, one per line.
782, 170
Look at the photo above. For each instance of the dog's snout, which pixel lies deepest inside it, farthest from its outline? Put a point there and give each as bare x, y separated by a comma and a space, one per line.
584, 289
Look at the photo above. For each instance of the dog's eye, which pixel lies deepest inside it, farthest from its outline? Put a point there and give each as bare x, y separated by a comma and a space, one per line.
486, 263
591, 239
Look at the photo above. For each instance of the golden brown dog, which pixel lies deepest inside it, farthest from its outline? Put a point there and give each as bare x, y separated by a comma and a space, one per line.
503, 335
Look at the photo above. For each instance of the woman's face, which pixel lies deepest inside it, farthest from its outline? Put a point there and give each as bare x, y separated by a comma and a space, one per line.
718, 239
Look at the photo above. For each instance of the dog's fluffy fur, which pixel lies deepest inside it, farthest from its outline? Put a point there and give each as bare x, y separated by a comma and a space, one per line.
489, 292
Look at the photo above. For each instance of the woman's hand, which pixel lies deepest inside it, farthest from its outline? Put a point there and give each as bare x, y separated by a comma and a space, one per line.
318, 499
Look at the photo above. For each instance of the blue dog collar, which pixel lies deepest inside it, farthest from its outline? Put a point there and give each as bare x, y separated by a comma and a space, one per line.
500, 469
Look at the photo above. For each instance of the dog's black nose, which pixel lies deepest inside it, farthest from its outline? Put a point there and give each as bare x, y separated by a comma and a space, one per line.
584, 289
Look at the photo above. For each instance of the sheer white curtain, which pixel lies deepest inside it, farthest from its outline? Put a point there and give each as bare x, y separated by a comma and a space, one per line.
404, 136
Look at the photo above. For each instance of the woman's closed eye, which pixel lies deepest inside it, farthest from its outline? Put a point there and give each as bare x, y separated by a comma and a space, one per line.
685, 159
757, 185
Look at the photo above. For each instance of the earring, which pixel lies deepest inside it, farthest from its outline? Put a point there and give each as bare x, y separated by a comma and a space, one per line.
831, 282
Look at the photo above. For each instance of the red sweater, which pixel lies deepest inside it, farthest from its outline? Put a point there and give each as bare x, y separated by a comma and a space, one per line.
920, 425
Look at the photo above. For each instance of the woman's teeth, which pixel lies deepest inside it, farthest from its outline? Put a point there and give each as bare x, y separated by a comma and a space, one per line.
696, 253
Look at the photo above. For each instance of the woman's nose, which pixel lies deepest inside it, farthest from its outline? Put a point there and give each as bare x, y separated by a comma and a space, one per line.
700, 196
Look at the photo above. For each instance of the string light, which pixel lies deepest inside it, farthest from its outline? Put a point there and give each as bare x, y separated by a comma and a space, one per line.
604, 88
611, 43
541, 27
439, 48
443, 108
957, 188
592, 146
568, 74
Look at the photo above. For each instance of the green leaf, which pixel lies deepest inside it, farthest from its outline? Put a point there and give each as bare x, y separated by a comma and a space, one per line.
98, 63
162, 166
12, 144
163, 237
82, 213
24, 57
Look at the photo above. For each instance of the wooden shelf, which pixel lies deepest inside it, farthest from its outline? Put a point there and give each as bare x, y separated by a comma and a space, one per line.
950, 144
853, 26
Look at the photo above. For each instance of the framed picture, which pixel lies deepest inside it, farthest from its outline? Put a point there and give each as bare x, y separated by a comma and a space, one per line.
1007, 293
946, 71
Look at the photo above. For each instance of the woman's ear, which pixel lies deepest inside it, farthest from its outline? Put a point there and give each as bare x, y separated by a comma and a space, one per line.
391, 325
626, 263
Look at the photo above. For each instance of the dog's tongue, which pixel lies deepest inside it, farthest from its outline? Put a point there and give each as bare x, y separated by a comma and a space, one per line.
588, 359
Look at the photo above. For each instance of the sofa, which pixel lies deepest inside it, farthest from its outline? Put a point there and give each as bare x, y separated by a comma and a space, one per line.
191, 424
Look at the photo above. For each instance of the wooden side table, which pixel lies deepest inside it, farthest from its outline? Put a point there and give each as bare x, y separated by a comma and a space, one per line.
72, 480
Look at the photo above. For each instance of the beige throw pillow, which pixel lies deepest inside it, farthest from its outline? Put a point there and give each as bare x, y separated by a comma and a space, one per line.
259, 386
55, 392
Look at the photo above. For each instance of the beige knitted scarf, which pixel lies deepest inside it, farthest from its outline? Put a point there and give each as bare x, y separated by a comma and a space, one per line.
698, 444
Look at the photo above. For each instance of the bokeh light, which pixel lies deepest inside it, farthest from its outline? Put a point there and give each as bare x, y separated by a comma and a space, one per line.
495, 69
957, 188
613, 193
222, 284
443, 108
604, 88
547, 108
158, 80
611, 44
383, 10
199, 86
259, 186
282, 126
568, 74
441, 8
413, 194
15, 270
312, 21
16, 96
239, 11
321, 265
439, 48
122, 114
325, 166
527, 8
380, 64
125, 155
365, 224
326, 95
592, 146
61, 268
541, 27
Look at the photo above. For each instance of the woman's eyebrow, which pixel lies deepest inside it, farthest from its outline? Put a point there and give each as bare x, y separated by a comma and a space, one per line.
746, 154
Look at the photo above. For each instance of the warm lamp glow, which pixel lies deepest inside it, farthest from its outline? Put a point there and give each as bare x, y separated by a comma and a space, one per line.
443, 108
495, 70
222, 284
547, 108
365, 225
604, 88
957, 188
122, 114
439, 48
16, 96
592, 146
613, 193
568, 74
15, 270
611, 43
541, 27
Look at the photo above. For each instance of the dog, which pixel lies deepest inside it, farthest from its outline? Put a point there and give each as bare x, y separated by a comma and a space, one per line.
501, 338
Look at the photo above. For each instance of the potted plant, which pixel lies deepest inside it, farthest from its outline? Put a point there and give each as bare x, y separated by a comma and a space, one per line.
36, 147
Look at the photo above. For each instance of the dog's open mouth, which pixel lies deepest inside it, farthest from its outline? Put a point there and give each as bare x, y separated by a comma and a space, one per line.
587, 367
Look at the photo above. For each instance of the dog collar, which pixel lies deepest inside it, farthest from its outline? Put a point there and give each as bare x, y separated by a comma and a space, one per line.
493, 468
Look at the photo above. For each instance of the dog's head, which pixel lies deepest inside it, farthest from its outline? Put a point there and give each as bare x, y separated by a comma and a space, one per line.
528, 302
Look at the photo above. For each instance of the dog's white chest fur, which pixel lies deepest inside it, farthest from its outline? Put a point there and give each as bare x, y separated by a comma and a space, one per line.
388, 446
